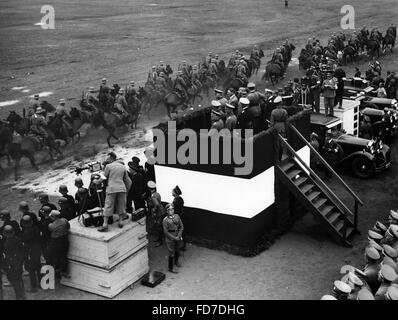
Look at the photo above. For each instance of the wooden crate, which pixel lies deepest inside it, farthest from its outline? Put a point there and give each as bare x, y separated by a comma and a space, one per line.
108, 283
105, 249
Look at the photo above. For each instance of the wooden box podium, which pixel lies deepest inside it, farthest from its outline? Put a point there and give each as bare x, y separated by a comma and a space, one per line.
106, 263
349, 115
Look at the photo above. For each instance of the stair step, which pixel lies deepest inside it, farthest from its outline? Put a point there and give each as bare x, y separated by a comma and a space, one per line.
313, 195
307, 187
325, 211
287, 166
320, 202
293, 173
350, 231
333, 217
300, 181
339, 225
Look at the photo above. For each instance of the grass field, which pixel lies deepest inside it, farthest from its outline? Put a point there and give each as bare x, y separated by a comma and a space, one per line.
121, 40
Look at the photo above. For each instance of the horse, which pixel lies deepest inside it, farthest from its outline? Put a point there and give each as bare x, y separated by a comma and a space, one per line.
388, 40
172, 101
58, 129
273, 72
349, 53
134, 109
18, 124
78, 118
48, 107
373, 48
150, 98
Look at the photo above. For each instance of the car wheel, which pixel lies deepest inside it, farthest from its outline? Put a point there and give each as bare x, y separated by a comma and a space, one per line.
363, 167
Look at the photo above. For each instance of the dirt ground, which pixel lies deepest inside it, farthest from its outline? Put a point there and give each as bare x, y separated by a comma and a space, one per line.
121, 40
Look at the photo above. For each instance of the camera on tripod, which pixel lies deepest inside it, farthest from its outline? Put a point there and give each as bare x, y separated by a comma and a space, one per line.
93, 167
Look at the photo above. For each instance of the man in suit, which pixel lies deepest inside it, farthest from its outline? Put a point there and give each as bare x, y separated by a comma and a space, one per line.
118, 182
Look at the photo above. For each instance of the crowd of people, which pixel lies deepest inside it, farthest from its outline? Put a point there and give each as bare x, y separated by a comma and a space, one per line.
377, 279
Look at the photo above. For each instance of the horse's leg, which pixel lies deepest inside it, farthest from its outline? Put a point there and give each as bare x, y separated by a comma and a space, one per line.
17, 160
32, 160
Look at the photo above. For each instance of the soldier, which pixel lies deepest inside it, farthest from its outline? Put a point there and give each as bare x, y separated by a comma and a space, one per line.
375, 66
103, 86
365, 294
138, 187
329, 87
232, 98
341, 290
121, 105
63, 190
24, 209
393, 217
376, 237
254, 96
38, 123
157, 211
392, 293
217, 122
209, 57
161, 67
355, 283
279, 117
130, 90
63, 113
45, 233
242, 93
59, 243
178, 204
372, 268
153, 75
68, 210
386, 276
33, 105
391, 236
5, 217
220, 98
91, 99
45, 202
255, 52
13, 260
380, 228
32, 248
315, 93
180, 84
173, 229
213, 67
161, 83
231, 121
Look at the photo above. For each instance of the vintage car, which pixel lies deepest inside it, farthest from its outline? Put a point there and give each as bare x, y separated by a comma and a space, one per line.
384, 123
377, 103
365, 157
354, 86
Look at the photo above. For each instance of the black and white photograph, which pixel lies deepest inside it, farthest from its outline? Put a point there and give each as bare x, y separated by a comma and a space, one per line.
198, 155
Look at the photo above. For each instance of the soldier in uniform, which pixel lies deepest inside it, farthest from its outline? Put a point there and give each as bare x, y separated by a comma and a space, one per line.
392, 293
24, 210
153, 75
355, 283
372, 267
178, 204
375, 66
91, 99
232, 97
386, 276
392, 217
103, 86
279, 117
157, 211
341, 290
173, 229
217, 122
33, 105
121, 105
231, 120
13, 260
63, 113
315, 93
180, 84
38, 124
220, 98
45, 202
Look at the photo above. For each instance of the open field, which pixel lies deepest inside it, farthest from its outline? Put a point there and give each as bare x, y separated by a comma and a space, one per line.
120, 40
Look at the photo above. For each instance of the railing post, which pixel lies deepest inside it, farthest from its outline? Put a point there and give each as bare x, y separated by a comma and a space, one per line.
356, 214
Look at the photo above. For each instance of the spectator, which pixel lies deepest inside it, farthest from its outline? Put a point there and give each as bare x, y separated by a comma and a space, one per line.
178, 204
45, 232
13, 260
381, 92
59, 243
5, 216
45, 202
118, 182
24, 209
32, 250
63, 190
136, 193
67, 210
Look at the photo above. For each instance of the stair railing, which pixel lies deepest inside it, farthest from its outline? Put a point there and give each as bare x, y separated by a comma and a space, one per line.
335, 200
357, 200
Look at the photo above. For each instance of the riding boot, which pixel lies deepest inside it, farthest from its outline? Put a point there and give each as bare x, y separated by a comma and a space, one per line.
171, 264
176, 257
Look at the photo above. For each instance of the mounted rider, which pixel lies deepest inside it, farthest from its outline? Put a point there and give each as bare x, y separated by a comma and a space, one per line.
180, 85
38, 124
183, 67
33, 105
161, 68
255, 53
131, 94
254, 96
91, 99
161, 83
278, 58
120, 107
153, 76
61, 111
213, 67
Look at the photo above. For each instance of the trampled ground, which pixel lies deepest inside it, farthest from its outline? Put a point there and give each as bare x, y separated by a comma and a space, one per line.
120, 40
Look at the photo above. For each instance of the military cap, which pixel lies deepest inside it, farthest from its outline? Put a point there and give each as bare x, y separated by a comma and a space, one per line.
177, 190
379, 227
91, 89
8, 231
216, 112
218, 91
78, 181
61, 101
132, 82
55, 213
62, 188
268, 90
40, 110
365, 294
23, 204
393, 230
230, 106
46, 209
62, 200
392, 293
372, 253
374, 235
251, 85
278, 99
314, 135
26, 221
5, 213
103, 79
394, 214
328, 297
387, 273
342, 287
242, 89
121, 90
389, 251
215, 103
244, 101
389, 262
375, 245
36, 95
354, 279
151, 185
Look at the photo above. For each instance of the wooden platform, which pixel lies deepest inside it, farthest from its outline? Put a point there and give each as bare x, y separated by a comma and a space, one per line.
108, 282
105, 249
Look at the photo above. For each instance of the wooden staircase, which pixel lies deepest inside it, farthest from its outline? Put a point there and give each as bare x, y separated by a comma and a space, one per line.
339, 221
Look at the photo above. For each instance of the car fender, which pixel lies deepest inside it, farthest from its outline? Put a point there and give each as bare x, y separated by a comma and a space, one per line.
359, 154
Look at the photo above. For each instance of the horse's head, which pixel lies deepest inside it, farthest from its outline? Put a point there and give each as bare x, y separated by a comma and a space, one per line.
47, 106
74, 113
13, 117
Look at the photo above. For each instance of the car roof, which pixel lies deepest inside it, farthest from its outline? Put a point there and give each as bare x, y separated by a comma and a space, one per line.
320, 119
380, 100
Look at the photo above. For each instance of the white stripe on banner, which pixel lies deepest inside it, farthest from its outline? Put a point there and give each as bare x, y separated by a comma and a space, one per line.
221, 194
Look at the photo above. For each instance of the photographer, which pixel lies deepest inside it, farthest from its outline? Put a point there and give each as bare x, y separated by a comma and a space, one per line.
118, 182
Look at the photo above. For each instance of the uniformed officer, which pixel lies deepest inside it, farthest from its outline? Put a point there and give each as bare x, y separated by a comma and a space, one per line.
232, 97
23, 208
91, 99
279, 117
173, 229
217, 122
157, 211
253, 95
33, 105
355, 283
38, 123
216, 105
391, 236
376, 237
393, 217
121, 105
380, 228
392, 293
389, 251
372, 268
63, 113
365, 294
220, 98
130, 90
341, 290
375, 245
245, 120
103, 86
386, 276
178, 203
231, 120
